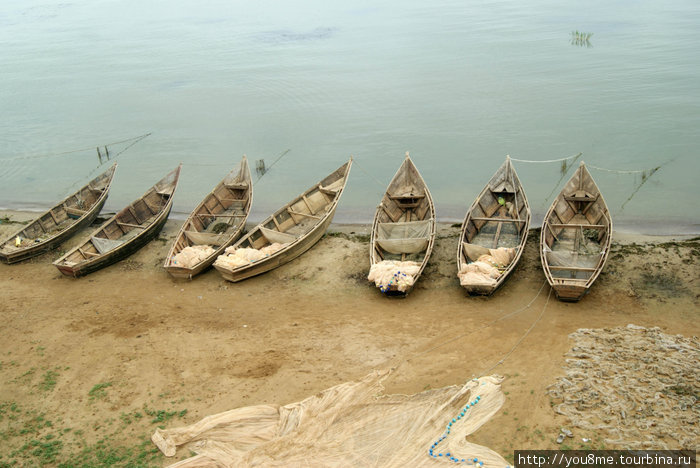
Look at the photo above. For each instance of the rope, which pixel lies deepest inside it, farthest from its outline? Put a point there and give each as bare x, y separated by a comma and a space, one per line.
548, 160
39, 156
623, 172
271, 165
136, 140
527, 332
381, 185
478, 329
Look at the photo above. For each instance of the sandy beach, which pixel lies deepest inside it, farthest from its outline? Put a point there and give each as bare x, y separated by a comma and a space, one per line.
90, 367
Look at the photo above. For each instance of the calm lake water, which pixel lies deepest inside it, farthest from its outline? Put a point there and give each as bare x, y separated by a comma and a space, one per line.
458, 84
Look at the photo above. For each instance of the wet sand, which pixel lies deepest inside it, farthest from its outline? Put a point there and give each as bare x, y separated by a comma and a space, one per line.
100, 356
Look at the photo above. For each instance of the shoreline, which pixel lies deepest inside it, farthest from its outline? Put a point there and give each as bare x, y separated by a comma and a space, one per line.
649, 232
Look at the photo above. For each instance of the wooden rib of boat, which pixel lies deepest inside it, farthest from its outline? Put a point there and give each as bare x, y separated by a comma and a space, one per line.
125, 232
217, 221
576, 237
60, 222
295, 227
406, 200
499, 217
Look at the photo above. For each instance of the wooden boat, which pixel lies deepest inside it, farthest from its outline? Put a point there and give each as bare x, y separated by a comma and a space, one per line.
293, 229
59, 223
125, 232
404, 225
217, 222
498, 218
576, 237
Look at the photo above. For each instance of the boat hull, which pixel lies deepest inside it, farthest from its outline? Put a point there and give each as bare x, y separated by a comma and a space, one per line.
274, 261
118, 253
56, 241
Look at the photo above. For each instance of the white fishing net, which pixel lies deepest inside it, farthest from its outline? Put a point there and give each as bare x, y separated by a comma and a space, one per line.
351, 424
192, 256
404, 238
392, 272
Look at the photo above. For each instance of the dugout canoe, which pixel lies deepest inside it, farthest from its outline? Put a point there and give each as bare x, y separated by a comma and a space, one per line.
499, 217
60, 222
404, 223
576, 237
217, 221
297, 226
125, 232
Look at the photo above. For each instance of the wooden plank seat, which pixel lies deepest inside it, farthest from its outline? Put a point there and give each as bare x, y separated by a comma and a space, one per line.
237, 185
577, 226
328, 191
581, 196
299, 213
560, 267
214, 215
74, 212
135, 226
498, 220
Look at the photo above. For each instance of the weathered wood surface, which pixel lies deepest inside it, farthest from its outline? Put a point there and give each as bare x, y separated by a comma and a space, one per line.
580, 207
306, 218
486, 209
61, 222
406, 199
127, 231
230, 201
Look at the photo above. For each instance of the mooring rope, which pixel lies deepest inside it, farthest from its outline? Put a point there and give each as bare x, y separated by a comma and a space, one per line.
91, 148
271, 165
642, 171
478, 329
527, 332
434, 449
548, 160
380, 184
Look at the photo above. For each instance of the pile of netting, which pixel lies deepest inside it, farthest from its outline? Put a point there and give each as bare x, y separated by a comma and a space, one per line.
636, 387
191, 256
388, 273
351, 424
237, 257
486, 264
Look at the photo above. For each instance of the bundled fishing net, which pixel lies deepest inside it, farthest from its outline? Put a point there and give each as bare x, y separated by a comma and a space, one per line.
393, 272
237, 257
191, 256
636, 387
486, 265
351, 424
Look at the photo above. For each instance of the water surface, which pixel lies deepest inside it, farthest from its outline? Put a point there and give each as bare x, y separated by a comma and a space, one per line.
459, 84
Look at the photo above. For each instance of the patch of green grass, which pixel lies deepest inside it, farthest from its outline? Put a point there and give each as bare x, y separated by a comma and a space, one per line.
8, 220
44, 451
128, 418
160, 416
48, 380
104, 454
25, 378
98, 391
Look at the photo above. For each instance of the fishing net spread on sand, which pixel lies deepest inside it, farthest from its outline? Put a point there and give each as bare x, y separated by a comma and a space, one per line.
351, 424
636, 387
